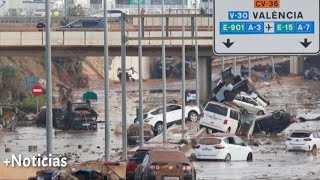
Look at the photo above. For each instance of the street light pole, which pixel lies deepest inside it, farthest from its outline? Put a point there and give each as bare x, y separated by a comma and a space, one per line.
106, 83
183, 71
141, 126
164, 88
48, 81
197, 56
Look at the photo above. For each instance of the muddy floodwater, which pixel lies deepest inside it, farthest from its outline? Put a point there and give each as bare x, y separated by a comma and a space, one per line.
293, 94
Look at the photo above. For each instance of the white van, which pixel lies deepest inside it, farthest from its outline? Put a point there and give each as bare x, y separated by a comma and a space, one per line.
220, 117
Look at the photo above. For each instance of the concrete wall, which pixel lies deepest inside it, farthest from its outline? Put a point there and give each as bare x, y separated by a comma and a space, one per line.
147, 63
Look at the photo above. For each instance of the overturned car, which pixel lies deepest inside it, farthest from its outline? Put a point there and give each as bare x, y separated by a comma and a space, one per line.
76, 116
8, 117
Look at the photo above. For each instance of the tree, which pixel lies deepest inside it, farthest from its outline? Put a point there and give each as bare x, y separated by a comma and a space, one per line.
77, 10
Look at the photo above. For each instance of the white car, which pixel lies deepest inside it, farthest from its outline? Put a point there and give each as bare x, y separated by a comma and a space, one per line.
249, 104
221, 146
113, 14
131, 74
220, 117
174, 113
191, 95
303, 140
40, 13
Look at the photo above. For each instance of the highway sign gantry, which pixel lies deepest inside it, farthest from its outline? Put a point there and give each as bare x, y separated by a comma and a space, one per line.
266, 27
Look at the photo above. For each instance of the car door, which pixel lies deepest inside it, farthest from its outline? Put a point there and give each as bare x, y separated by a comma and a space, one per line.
231, 147
141, 168
174, 113
234, 121
241, 149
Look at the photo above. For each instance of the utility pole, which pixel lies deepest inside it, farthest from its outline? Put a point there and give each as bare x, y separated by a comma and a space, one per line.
183, 72
48, 80
141, 126
106, 83
124, 89
164, 88
197, 56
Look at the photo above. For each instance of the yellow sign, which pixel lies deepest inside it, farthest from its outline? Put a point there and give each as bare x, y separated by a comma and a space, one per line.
55, 13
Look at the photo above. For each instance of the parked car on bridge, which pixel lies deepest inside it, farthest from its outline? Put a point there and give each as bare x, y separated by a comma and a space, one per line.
221, 146
166, 164
303, 140
113, 14
174, 115
83, 24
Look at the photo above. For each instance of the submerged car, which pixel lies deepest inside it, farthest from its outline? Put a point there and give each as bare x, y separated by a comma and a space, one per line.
313, 74
8, 117
303, 140
165, 164
77, 116
273, 123
174, 115
133, 133
135, 161
224, 147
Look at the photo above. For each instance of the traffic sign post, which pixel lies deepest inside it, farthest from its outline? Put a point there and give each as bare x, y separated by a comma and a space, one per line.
37, 91
266, 27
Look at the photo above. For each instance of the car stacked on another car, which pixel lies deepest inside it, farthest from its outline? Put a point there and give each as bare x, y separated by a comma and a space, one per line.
221, 146
303, 140
165, 164
220, 117
249, 103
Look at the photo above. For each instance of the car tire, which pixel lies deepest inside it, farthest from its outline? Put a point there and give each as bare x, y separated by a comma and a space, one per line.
158, 127
249, 157
314, 149
228, 130
227, 158
260, 113
193, 116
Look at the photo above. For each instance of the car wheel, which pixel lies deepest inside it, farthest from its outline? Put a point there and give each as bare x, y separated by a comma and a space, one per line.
249, 157
228, 130
159, 127
260, 113
193, 116
227, 158
314, 149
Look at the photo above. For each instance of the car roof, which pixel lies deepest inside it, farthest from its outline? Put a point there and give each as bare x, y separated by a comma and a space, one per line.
304, 131
156, 108
218, 135
167, 155
226, 105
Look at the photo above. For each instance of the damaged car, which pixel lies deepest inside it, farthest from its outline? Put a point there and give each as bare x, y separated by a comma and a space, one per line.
174, 115
228, 87
165, 164
131, 74
273, 123
312, 74
133, 133
76, 116
221, 146
8, 117
250, 104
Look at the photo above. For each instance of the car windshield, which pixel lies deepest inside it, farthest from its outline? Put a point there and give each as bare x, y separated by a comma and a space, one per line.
209, 141
300, 135
139, 154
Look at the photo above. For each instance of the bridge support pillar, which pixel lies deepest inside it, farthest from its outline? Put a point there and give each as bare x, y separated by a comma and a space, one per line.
205, 77
296, 64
